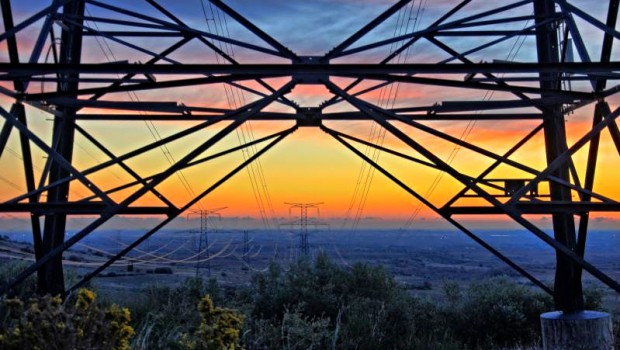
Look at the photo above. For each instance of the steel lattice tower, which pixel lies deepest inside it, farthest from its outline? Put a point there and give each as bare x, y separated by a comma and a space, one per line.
78, 86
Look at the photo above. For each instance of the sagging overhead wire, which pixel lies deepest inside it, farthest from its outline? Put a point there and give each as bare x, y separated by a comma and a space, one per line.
151, 127
236, 98
408, 19
512, 54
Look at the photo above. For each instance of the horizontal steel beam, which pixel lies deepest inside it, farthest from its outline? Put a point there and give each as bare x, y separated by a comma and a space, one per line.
536, 208
78, 208
32, 69
274, 116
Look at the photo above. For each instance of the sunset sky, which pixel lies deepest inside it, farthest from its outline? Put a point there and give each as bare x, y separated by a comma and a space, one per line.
308, 166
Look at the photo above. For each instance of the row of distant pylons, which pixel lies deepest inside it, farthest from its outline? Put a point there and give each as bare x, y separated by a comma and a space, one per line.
302, 225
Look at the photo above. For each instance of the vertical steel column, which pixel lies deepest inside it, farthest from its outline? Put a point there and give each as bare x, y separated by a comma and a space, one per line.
568, 293
52, 280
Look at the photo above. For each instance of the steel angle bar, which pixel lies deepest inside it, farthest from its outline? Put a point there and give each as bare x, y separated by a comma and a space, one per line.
126, 156
223, 54
493, 22
19, 111
24, 70
32, 19
135, 34
179, 211
431, 206
163, 57
412, 41
78, 208
379, 147
366, 29
470, 106
185, 29
7, 17
375, 109
593, 150
122, 164
152, 61
402, 155
588, 18
462, 58
471, 85
577, 38
120, 22
199, 161
53, 154
39, 44
497, 163
428, 116
481, 33
283, 50
49, 96
396, 52
122, 42
608, 40
143, 106
499, 40
432, 29
148, 147
508, 210
538, 208
562, 158
4, 135
111, 211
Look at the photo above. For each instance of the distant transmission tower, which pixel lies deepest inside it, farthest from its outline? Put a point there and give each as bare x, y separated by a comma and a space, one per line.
203, 257
301, 225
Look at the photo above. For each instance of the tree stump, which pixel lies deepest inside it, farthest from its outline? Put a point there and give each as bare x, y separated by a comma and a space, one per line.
583, 330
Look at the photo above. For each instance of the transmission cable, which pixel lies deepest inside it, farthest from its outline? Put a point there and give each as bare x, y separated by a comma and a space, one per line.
236, 98
152, 128
387, 99
514, 50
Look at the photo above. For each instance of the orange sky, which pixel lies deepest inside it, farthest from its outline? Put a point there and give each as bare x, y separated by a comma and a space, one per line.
308, 166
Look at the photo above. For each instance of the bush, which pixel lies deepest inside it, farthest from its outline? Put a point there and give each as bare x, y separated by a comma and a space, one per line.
219, 328
164, 314
498, 312
24, 290
46, 323
361, 308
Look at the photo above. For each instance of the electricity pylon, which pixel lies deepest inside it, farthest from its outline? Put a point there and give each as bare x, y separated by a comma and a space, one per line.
300, 226
203, 257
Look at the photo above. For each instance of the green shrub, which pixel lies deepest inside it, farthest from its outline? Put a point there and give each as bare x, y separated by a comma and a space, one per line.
164, 314
8, 271
359, 308
498, 312
47, 323
219, 329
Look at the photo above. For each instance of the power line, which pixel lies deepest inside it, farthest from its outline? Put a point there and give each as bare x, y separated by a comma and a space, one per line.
151, 127
512, 54
387, 99
236, 98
